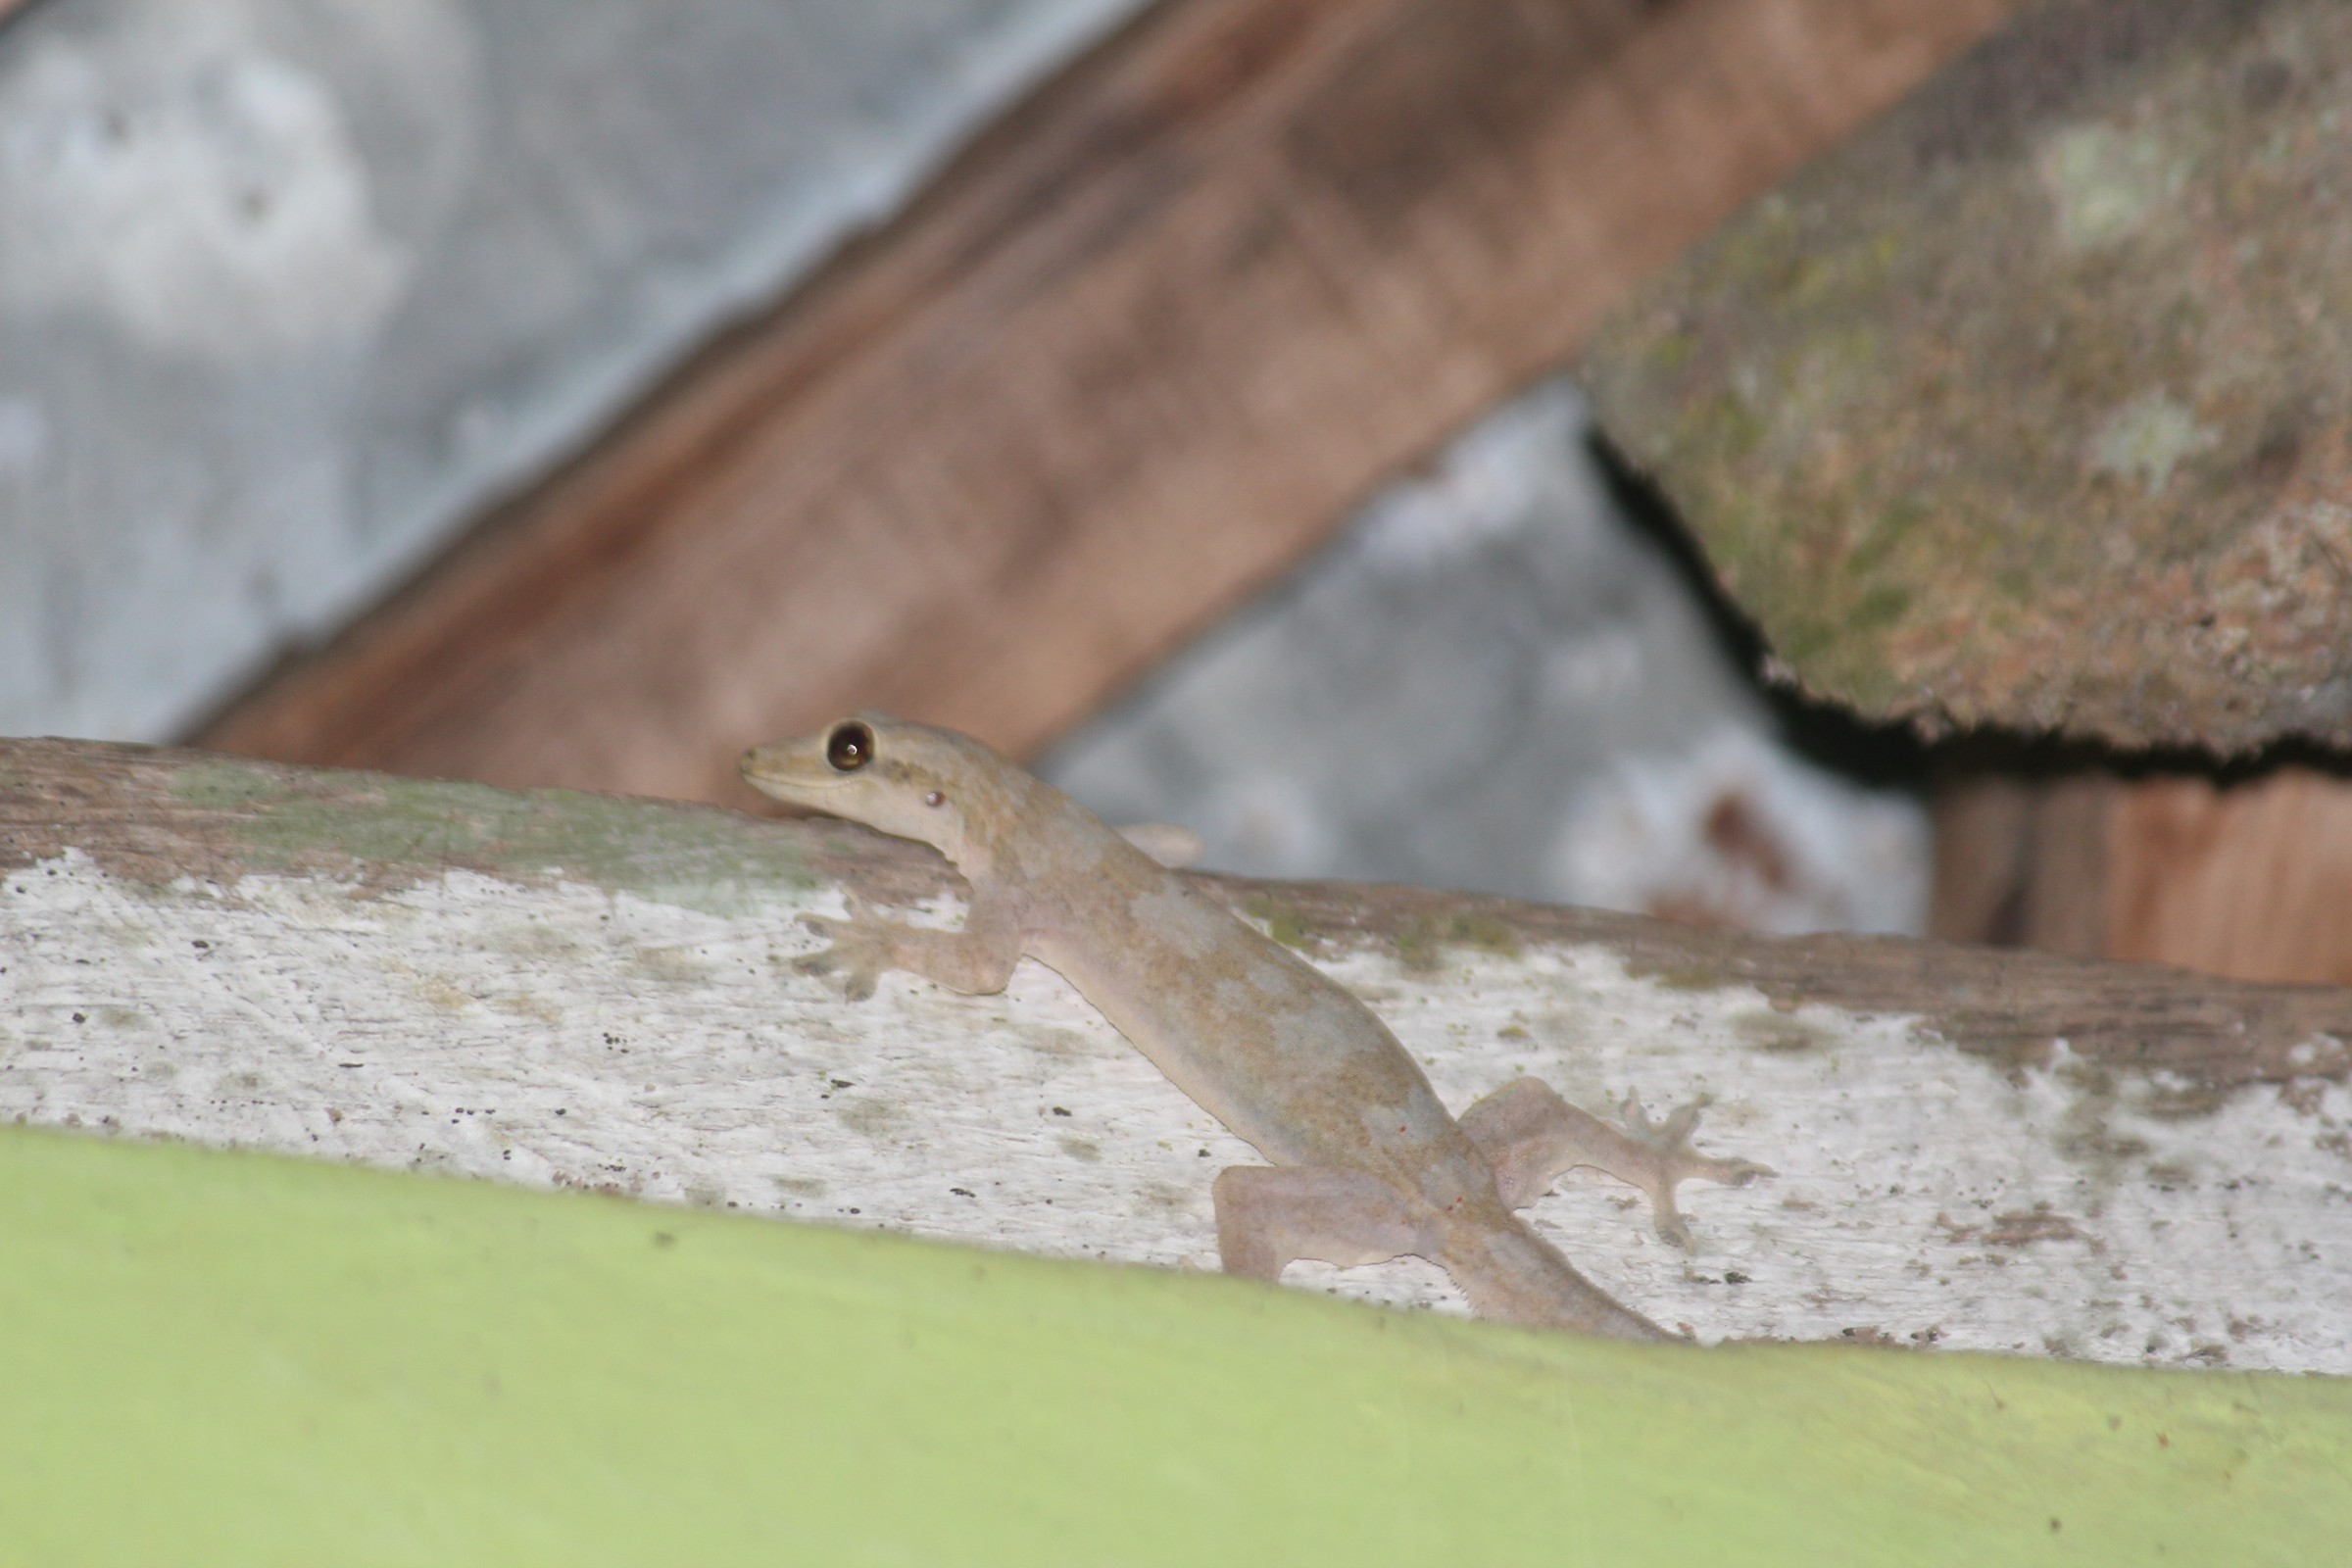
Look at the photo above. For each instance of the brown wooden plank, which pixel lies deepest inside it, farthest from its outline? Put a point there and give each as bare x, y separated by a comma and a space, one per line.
1136, 352
2252, 881
2249, 879
2023, 862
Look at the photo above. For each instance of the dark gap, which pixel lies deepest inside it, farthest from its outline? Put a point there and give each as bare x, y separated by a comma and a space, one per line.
1823, 732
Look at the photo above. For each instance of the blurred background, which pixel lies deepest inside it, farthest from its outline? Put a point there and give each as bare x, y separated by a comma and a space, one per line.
1770, 463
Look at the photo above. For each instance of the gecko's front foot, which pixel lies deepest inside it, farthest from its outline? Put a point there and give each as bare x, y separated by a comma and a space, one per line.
860, 949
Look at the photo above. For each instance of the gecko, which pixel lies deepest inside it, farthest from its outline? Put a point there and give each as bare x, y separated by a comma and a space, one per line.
1366, 1163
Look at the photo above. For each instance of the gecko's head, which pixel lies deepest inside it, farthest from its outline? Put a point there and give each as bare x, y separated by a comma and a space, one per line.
911, 780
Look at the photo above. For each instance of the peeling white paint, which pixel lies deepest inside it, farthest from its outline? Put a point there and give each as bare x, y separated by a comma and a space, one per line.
566, 1036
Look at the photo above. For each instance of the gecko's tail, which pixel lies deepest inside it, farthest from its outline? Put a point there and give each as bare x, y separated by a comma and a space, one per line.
1512, 1275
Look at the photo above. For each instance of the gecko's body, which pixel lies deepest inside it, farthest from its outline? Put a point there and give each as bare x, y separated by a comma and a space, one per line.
1367, 1164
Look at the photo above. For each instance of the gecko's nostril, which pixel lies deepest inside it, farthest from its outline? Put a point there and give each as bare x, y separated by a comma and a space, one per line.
850, 746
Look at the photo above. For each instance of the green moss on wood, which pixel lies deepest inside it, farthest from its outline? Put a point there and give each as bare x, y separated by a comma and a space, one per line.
1421, 942
386, 828
1281, 922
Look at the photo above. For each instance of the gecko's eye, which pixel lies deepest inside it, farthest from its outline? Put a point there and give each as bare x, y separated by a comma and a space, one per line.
850, 746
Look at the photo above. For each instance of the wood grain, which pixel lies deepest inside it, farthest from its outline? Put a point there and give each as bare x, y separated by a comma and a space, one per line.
1136, 352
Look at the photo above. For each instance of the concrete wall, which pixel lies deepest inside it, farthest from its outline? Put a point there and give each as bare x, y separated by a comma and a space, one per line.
289, 289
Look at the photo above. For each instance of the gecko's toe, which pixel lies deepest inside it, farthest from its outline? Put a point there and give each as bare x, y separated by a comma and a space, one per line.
859, 986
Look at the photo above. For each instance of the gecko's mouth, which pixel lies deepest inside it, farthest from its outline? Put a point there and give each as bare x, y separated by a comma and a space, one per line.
787, 772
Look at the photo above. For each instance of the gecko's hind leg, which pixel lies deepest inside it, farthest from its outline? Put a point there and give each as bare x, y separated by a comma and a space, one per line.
1269, 1216
1530, 1135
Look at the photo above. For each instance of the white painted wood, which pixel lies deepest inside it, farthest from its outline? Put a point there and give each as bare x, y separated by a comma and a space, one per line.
556, 1033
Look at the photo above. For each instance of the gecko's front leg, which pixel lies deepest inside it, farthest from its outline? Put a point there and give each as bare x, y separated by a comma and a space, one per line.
978, 958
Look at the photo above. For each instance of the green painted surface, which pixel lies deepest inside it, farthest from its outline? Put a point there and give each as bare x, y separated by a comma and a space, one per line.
222, 1359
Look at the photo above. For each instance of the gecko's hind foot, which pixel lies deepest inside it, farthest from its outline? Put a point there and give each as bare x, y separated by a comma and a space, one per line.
1671, 1139
1671, 1160
1530, 1135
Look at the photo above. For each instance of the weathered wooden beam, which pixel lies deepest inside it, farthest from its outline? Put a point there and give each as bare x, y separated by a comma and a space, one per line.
1976, 1149
1135, 354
